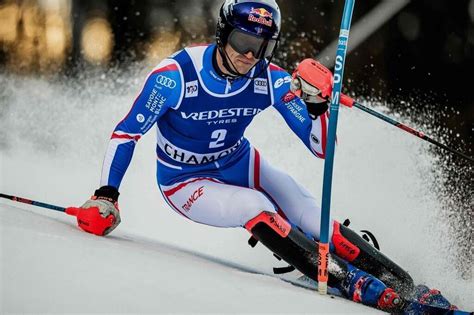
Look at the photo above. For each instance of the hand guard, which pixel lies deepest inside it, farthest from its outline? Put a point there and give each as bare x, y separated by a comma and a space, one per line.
310, 82
99, 215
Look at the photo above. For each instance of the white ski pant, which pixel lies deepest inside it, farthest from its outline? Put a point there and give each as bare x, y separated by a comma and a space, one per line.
216, 202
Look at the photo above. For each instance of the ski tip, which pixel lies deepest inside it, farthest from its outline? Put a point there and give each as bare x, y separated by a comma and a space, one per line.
417, 308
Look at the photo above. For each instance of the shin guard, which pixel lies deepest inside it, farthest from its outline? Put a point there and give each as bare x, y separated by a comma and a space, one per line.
353, 248
295, 248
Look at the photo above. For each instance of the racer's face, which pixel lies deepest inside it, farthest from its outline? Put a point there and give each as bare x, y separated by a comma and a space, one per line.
242, 62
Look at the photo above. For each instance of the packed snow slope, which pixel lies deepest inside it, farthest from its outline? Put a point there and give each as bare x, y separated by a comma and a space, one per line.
49, 267
52, 139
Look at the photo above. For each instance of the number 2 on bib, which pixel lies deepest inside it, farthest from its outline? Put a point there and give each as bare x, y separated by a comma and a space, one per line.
218, 136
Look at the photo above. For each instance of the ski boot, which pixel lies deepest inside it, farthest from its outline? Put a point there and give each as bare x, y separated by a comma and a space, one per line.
364, 288
358, 251
427, 296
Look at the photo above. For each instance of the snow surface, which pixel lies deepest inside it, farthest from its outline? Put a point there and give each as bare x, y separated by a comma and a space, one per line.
50, 267
159, 262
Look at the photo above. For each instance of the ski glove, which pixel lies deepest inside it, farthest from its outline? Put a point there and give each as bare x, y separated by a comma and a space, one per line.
306, 83
99, 215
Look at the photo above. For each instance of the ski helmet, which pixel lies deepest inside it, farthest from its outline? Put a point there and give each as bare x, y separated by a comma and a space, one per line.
249, 25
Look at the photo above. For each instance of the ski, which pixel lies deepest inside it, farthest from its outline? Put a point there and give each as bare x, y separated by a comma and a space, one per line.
417, 308
305, 282
413, 307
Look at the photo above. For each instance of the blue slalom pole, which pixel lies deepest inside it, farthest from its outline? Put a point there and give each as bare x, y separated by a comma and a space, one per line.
331, 142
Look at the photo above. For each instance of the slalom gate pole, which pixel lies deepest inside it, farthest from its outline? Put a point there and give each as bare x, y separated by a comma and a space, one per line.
347, 101
329, 159
33, 203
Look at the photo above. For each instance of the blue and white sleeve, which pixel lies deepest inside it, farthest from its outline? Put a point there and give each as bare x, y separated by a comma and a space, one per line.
163, 89
313, 133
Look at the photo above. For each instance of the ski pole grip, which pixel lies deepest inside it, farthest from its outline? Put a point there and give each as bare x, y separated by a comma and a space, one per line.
347, 100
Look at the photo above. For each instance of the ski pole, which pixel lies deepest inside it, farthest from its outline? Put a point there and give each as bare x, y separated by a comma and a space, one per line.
349, 102
329, 159
323, 80
33, 203
84, 219
70, 210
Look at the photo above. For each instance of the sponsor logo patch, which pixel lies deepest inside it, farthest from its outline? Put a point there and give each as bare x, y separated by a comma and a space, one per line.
288, 97
281, 81
261, 16
192, 89
260, 86
296, 110
221, 113
140, 118
155, 101
278, 225
184, 156
165, 81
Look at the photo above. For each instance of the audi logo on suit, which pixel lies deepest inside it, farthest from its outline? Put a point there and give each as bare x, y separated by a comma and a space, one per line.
166, 82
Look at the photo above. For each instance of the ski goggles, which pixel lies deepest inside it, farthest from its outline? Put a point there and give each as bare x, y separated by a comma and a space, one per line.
243, 42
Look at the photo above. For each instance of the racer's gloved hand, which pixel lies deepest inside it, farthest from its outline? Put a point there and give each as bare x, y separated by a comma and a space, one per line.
310, 83
100, 214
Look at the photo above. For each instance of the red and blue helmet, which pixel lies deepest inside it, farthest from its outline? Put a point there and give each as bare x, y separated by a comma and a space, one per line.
249, 25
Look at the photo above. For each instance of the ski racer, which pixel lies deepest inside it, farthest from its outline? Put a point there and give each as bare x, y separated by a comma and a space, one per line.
201, 100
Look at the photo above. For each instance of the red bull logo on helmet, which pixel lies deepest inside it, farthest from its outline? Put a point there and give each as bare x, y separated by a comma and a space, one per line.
261, 16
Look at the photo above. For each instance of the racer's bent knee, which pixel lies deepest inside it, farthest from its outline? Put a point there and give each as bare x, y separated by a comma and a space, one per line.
249, 203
